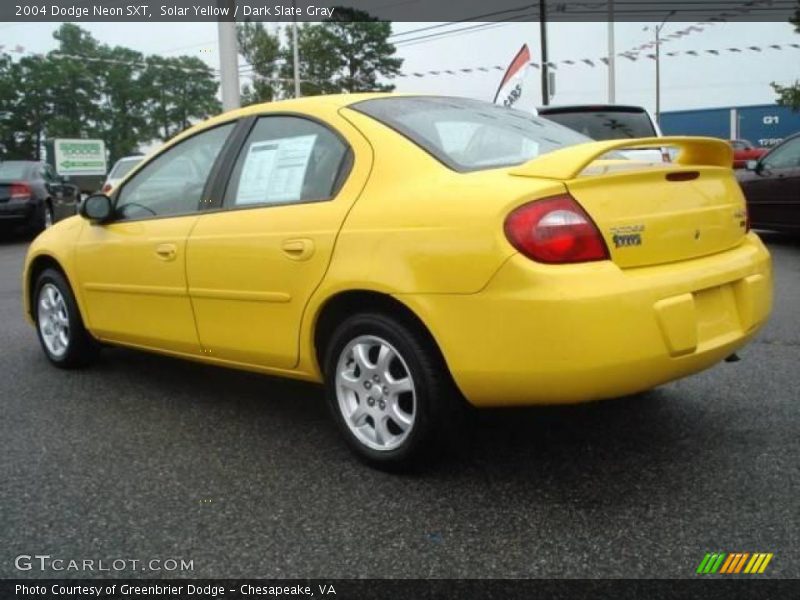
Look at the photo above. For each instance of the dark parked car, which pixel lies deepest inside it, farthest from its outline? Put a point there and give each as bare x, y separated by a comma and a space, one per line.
32, 194
610, 122
772, 187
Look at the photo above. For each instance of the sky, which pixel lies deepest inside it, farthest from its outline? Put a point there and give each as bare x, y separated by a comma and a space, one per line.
687, 82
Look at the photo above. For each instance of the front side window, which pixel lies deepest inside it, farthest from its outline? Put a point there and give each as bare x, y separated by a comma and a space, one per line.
48, 174
287, 160
468, 135
786, 156
172, 183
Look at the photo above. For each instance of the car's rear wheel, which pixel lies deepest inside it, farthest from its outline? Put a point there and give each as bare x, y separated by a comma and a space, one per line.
388, 390
63, 337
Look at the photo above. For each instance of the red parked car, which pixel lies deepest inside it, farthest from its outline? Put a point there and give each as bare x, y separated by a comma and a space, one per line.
744, 150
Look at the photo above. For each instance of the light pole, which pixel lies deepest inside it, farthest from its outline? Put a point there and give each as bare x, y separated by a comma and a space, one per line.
612, 92
228, 58
543, 40
658, 66
295, 52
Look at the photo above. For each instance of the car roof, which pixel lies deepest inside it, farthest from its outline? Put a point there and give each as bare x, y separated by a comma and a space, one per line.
289, 105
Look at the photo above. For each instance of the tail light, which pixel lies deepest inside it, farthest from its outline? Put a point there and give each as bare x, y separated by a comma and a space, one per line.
106, 188
19, 191
555, 230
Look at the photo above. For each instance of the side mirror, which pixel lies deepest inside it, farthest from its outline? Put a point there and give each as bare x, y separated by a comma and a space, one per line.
96, 208
752, 165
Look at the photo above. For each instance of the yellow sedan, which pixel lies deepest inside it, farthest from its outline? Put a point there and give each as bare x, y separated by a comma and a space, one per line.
412, 252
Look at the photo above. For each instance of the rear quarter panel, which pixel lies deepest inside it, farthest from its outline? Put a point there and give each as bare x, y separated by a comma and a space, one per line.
421, 227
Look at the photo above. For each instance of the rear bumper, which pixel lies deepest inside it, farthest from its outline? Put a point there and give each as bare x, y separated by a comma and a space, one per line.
14, 211
539, 334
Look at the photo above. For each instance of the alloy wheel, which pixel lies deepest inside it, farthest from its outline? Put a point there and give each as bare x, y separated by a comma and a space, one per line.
53, 320
375, 393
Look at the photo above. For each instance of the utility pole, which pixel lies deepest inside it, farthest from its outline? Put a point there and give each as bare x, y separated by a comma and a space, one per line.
658, 66
228, 58
295, 52
545, 59
612, 92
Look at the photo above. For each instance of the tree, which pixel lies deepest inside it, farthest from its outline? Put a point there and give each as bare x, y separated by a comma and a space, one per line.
790, 95
31, 107
262, 50
348, 53
8, 105
89, 89
319, 65
74, 83
362, 44
180, 90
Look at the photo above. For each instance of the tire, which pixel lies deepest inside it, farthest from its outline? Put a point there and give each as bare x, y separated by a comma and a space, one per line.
42, 219
388, 390
59, 325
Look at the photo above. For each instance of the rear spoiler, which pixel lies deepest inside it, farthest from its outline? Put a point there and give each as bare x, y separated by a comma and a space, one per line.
568, 163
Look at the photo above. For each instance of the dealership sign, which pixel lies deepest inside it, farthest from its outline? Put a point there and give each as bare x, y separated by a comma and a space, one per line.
80, 157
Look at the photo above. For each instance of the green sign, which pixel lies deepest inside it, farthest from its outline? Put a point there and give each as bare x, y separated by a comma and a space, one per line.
80, 157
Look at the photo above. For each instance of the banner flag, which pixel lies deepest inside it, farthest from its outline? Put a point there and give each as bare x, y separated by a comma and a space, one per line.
510, 88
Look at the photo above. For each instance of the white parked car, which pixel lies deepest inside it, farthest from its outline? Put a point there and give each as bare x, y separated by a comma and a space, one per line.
120, 169
610, 122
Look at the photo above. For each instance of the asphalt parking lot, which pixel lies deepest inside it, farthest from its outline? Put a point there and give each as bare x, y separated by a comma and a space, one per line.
143, 457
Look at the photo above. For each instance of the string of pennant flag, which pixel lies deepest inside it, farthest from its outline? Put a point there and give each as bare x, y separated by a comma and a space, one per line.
593, 62
643, 51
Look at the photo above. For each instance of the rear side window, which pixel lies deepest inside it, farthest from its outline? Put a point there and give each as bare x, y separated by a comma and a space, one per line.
13, 170
469, 135
605, 124
287, 160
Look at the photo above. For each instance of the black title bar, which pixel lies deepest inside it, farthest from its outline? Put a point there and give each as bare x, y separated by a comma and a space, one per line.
398, 10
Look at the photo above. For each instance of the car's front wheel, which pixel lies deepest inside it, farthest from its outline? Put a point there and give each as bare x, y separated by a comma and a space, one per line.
62, 334
388, 389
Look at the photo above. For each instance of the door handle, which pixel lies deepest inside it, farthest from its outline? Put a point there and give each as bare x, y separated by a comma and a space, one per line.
166, 251
298, 249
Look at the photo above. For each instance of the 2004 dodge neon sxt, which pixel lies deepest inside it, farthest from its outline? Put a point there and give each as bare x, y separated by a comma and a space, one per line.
410, 252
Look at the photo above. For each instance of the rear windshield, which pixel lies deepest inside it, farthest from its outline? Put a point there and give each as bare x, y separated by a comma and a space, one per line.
606, 124
14, 170
123, 167
468, 135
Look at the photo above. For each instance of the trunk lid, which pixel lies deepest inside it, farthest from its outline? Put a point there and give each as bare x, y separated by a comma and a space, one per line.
658, 215
652, 214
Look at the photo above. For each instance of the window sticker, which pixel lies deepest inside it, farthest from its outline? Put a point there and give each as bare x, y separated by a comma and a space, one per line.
274, 170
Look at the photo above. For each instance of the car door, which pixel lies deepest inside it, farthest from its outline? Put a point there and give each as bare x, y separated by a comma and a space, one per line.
253, 264
773, 193
63, 195
132, 270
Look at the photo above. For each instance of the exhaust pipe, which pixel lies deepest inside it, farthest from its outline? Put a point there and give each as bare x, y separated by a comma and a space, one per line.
733, 358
